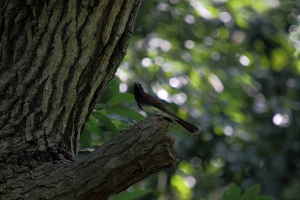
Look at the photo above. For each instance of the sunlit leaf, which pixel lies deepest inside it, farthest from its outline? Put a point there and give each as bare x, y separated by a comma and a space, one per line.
279, 59
186, 167
177, 182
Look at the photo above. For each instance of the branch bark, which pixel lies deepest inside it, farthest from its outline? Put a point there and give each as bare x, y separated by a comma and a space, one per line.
136, 153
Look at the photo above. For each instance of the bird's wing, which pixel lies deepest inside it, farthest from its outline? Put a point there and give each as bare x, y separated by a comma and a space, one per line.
150, 100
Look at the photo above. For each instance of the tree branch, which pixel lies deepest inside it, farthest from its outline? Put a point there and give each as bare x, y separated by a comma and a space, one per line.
128, 158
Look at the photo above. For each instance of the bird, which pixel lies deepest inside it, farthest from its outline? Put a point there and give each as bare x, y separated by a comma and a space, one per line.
152, 105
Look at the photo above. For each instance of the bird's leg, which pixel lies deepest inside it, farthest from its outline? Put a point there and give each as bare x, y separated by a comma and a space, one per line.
153, 115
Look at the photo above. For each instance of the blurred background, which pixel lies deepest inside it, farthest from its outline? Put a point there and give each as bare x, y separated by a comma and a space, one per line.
231, 68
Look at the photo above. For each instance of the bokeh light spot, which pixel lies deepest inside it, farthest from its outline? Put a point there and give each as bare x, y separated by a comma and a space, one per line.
216, 83
228, 130
175, 82
215, 55
159, 61
281, 120
238, 37
293, 30
225, 17
123, 87
200, 8
146, 62
165, 46
189, 19
180, 98
189, 44
167, 67
244, 60
190, 182
162, 94
162, 7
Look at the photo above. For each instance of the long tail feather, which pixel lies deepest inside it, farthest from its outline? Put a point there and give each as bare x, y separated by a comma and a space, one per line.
189, 127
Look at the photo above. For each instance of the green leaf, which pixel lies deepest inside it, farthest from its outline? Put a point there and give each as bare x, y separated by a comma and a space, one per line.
124, 126
100, 106
232, 193
127, 112
130, 195
92, 125
106, 122
251, 192
86, 139
121, 97
111, 90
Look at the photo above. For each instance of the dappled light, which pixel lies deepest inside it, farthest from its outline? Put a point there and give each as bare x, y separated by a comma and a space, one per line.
189, 19
281, 120
146, 62
190, 181
164, 45
163, 94
201, 9
231, 68
123, 87
179, 99
216, 83
225, 17
244, 60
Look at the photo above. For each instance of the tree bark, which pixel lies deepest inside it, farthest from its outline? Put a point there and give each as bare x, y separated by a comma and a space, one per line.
136, 153
56, 57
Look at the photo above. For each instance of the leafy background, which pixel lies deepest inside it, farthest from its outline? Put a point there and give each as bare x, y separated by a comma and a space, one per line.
231, 68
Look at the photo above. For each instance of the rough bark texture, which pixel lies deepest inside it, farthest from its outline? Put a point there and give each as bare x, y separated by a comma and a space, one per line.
133, 155
56, 58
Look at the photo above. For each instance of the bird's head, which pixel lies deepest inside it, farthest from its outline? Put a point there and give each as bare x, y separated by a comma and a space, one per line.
138, 88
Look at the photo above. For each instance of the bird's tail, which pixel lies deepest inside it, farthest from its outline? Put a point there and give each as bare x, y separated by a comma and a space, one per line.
189, 127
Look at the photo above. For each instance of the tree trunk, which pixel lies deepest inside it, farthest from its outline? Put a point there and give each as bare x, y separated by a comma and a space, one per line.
56, 59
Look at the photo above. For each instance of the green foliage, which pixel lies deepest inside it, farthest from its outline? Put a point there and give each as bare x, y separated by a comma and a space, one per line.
232, 193
231, 68
126, 112
108, 118
86, 139
106, 122
120, 98
251, 193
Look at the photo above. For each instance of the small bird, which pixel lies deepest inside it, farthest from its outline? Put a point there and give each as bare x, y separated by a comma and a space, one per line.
152, 105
